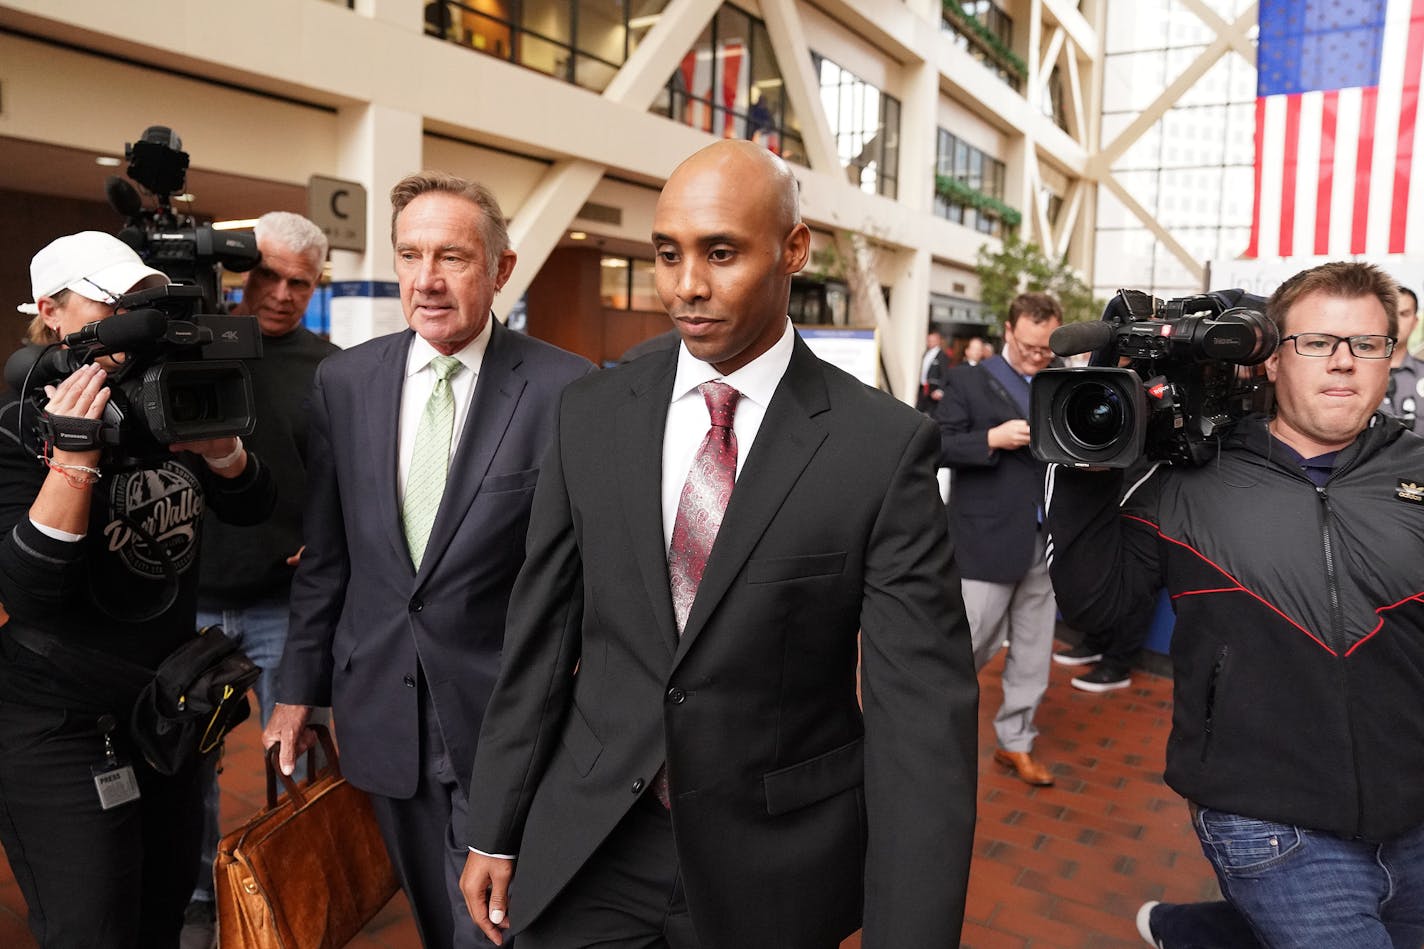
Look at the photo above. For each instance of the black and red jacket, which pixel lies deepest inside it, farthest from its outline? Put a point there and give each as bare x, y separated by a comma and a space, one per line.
1298, 652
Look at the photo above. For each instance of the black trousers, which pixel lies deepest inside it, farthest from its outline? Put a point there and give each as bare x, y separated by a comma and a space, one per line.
1121, 643
91, 878
628, 896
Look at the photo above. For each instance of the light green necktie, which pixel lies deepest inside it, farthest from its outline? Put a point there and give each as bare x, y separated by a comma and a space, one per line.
425, 482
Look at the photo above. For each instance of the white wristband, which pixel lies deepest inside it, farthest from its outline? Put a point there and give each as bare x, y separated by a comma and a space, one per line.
226, 460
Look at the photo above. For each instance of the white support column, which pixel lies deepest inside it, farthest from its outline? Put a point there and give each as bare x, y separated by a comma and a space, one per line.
903, 333
803, 87
658, 55
538, 225
379, 146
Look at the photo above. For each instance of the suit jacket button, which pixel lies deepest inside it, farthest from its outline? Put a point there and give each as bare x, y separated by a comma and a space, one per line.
416, 604
676, 696
409, 681
638, 786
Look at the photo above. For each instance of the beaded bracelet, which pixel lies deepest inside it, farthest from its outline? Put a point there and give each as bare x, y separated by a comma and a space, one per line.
77, 483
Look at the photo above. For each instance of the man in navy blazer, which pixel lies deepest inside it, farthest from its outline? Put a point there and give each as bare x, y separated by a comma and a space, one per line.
401, 634
996, 520
790, 815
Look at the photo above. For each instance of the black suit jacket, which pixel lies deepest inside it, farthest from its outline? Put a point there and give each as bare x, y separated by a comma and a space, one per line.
792, 809
363, 619
995, 496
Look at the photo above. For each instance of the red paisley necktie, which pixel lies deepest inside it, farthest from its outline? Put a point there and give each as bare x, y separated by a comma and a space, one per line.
704, 498
699, 515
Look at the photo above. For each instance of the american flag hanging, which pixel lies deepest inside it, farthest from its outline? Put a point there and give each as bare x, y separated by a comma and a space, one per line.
1337, 116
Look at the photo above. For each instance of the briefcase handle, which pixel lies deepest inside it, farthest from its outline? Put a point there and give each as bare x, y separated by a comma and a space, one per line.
274, 773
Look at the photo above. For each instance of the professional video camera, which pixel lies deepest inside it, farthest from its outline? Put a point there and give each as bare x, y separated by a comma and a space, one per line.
186, 251
182, 378
1191, 368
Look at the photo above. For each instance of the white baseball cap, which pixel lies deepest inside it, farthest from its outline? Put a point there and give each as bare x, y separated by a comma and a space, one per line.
93, 264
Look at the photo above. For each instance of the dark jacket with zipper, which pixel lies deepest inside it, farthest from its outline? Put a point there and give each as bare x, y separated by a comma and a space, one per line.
1298, 652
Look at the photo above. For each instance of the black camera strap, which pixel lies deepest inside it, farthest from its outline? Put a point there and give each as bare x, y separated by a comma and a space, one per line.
71, 433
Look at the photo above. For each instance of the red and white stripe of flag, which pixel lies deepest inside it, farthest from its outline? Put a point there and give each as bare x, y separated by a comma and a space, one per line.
1333, 169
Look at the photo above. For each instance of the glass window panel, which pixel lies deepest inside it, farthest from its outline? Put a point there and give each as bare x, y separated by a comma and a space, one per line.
1185, 28
544, 56
1239, 147
1141, 185
961, 160
1124, 259
733, 69
1238, 190
593, 74
600, 30
613, 282
549, 18
486, 30
975, 178
692, 81
645, 291
1144, 152
1132, 80
766, 93
793, 148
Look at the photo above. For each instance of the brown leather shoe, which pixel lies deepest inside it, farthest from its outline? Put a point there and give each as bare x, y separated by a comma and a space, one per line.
1022, 764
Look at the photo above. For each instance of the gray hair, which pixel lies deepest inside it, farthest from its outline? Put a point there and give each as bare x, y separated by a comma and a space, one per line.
494, 233
294, 232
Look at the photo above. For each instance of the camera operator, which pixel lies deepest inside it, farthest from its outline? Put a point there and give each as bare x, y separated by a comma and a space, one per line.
1292, 559
104, 848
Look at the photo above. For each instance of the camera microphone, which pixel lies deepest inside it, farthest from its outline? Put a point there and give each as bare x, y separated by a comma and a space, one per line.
133, 330
122, 197
1073, 339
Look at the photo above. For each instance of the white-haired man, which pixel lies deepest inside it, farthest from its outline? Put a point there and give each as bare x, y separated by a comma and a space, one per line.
246, 579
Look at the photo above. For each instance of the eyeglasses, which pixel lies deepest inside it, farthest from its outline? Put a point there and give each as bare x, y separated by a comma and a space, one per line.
1324, 345
1037, 352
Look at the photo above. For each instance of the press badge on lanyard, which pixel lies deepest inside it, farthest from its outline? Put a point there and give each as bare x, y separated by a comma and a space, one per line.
114, 779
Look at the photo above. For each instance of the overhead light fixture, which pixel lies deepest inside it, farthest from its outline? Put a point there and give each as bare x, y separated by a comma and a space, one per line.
235, 225
108, 161
577, 236
639, 22
614, 262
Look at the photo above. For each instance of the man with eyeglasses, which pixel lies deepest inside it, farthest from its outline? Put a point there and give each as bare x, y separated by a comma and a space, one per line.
996, 520
1404, 398
1292, 559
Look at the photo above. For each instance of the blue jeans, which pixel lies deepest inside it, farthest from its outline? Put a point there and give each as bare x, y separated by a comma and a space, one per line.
1305, 888
261, 631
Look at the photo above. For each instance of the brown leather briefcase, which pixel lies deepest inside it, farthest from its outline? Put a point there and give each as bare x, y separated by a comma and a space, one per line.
309, 871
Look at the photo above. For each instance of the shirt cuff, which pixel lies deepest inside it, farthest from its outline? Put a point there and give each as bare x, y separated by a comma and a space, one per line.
55, 533
497, 856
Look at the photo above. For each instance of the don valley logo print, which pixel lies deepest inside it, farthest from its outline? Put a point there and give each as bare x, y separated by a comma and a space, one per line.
164, 501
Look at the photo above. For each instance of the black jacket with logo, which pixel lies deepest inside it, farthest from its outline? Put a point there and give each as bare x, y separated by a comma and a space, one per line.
1298, 652
115, 590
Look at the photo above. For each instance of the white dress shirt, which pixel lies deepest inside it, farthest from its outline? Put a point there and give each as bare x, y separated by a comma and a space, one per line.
688, 419
420, 382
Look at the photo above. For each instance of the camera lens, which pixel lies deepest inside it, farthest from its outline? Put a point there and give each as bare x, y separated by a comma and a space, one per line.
1093, 415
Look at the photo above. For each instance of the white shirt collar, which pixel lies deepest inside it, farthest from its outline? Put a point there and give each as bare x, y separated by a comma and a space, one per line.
472, 355
757, 380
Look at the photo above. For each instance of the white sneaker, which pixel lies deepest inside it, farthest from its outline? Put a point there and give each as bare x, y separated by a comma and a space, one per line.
1144, 923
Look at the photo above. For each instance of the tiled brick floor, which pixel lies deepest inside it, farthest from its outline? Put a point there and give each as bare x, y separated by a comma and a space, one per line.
1054, 868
